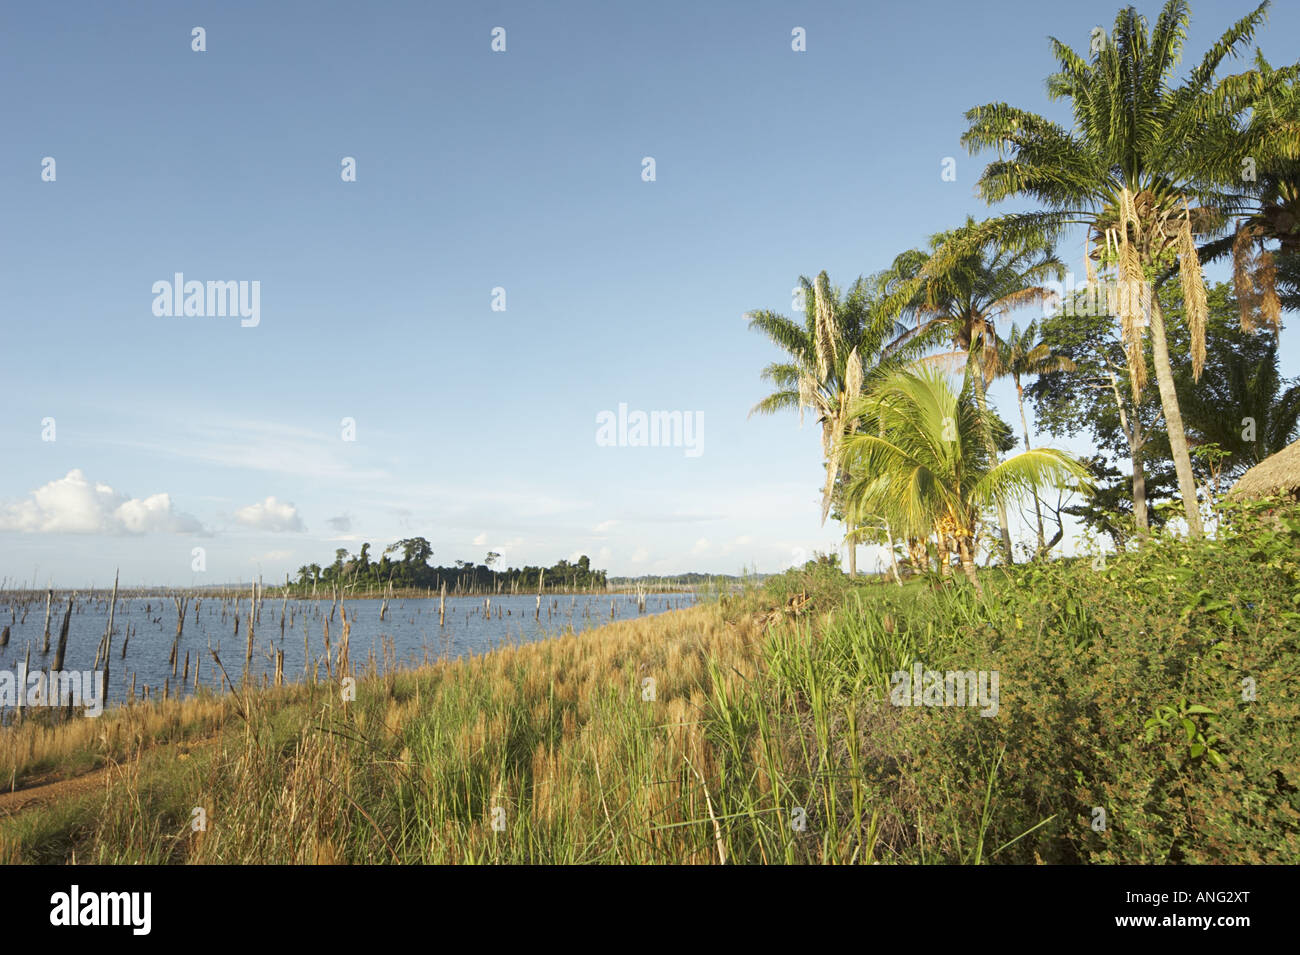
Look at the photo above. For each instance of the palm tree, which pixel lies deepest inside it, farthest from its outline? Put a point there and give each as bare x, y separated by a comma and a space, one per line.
922, 459
957, 292
1262, 163
874, 523
1134, 170
839, 347
1022, 355
1256, 391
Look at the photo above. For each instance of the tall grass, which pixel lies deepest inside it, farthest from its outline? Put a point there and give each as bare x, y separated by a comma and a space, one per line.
768, 737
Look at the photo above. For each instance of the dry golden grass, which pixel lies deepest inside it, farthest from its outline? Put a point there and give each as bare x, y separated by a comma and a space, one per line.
558, 734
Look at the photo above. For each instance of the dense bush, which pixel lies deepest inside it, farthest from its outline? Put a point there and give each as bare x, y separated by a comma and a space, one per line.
1158, 688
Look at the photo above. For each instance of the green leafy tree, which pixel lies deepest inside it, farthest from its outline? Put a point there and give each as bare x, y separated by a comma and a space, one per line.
1242, 404
1097, 398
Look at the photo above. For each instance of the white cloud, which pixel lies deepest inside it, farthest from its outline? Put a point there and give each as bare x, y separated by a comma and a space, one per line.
271, 556
270, 515
639, 555
481, 540
604, 527
265, 446
743, 541
73, 505
701, 546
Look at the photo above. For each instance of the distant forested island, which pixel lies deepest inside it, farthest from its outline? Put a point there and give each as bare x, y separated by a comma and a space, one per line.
405, 565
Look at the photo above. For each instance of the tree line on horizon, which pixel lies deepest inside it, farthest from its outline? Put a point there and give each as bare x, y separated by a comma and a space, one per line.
404, 565
1177, 383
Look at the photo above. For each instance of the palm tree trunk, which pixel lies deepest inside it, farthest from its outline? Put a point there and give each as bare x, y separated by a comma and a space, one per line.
853, 558
944, 550
893, 558
993, 453
1174, 420
1139, 489
966, 552
917, 555
1133, 435
1038, 511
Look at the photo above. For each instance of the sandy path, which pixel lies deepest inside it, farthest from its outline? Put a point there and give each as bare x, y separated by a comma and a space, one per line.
44, 793
51, 788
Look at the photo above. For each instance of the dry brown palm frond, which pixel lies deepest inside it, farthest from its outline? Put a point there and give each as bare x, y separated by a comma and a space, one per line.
832, 430
852, 379
807, 394
825, 330
1270, 306
950, 362
1189, 270
1133, 292
1034, 295
1243, 277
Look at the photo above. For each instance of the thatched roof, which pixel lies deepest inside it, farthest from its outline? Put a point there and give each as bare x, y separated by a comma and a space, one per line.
1278, 474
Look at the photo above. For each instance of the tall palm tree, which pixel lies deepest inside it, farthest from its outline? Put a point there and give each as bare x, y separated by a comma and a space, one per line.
921, 458
1134, 171
1021, 355
839, 347
959, 290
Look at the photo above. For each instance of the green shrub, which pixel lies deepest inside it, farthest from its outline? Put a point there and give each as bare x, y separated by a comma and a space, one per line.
1160, 689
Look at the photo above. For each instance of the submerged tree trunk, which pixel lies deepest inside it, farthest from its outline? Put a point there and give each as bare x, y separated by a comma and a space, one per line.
1174, 420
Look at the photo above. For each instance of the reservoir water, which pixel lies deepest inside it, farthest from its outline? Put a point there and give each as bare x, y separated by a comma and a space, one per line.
409, 634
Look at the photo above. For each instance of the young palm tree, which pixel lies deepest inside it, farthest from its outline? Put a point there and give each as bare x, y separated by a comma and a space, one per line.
875, 526
1019, 356
839, 348
1134, 170
921, 458
957, 297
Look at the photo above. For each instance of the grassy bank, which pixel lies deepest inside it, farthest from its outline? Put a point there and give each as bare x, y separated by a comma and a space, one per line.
1159, 689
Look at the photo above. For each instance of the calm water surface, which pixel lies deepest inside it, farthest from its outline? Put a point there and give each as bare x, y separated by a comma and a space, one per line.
408, 635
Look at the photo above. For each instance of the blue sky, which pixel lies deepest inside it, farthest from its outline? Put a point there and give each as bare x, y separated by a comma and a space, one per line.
475, 170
